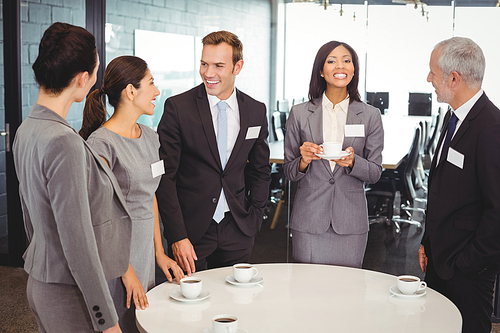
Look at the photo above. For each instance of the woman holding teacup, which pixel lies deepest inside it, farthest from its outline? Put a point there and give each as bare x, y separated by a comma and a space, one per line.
330, 219
131, 151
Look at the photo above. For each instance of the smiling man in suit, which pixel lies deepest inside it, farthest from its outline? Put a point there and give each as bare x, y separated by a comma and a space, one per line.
217, 172
460, 250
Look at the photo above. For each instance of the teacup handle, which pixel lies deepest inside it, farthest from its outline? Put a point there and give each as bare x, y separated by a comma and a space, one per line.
423, 285
255, 272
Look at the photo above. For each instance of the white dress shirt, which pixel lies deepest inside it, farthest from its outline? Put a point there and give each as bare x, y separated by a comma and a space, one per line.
233, 126
461, 113
334, 120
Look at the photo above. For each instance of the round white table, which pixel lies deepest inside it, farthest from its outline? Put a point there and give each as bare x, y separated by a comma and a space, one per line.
301, 298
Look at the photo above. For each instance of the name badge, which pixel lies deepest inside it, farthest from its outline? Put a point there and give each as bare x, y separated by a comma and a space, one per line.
455, 158
253, 132
354, 131
157, 168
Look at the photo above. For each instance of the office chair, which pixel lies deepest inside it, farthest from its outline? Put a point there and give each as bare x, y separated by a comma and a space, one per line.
430, 147
283, 105
418, 170
394, 192
296, 101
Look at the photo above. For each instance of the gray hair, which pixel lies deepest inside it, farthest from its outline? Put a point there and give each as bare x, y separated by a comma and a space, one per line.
462, 55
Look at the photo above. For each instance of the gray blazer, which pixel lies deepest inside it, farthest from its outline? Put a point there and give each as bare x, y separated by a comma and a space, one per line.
74, 213
335, 198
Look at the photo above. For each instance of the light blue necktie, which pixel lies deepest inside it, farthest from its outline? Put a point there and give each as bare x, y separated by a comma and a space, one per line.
222, 146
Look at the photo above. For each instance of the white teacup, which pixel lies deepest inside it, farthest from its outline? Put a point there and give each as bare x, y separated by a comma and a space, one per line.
243, 273
409, 284
191, 287
332, 148
225, 323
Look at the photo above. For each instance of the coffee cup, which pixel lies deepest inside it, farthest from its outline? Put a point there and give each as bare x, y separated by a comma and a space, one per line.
409, 284
243, 273
225, 323
332, 148
191, 287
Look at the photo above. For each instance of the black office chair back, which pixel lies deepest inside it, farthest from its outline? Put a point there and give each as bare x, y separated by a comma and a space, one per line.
429, 148
423, 136
408, 190
278, 125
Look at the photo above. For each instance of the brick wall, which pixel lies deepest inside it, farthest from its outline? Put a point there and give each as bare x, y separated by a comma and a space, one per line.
36, 17
249, 19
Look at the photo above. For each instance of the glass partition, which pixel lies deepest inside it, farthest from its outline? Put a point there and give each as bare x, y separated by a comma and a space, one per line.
399, 43
168, 36
308, 27
4, 243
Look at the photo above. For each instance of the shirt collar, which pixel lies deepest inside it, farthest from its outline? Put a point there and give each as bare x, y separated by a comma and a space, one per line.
464, 109
344, 105
231, 101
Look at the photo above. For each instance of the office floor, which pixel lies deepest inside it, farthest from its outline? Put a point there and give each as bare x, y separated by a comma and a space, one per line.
386, 252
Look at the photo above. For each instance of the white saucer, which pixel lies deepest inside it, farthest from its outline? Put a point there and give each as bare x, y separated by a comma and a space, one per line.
333, 157
255, 280
395, 291
209, 330
176, 294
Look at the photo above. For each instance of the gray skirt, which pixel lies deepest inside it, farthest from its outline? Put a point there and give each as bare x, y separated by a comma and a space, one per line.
58, 307
329, 248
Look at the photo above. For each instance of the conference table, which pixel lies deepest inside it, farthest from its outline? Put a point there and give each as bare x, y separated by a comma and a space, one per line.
301, 298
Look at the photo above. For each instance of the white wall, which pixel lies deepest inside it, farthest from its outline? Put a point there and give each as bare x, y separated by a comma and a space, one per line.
397, 42
482, 25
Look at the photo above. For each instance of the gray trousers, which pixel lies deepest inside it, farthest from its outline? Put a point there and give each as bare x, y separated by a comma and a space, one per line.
329, 248
58, 308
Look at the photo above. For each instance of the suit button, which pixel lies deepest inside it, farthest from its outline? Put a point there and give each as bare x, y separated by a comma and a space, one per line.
331, 181
101, 322
98, 315
95, 308
214, 200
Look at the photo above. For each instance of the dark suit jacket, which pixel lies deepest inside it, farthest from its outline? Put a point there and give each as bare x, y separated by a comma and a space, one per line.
463, 209
190, 188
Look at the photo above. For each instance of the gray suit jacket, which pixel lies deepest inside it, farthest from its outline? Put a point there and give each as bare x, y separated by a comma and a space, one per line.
335, 198
74, 213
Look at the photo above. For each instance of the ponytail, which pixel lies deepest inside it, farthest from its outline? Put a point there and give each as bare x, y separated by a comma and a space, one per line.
119, 73
94, 113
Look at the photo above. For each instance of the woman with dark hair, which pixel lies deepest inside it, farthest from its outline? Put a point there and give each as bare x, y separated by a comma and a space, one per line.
330, 219
131, 151
75, 216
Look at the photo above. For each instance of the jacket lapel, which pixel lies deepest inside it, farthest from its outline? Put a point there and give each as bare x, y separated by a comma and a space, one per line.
440, 143
110, 175
354, 117
244, 121
315, 123
474, 111
207, 123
